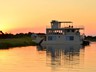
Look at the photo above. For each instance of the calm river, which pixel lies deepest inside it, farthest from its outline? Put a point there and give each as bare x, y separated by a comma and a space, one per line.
51, 58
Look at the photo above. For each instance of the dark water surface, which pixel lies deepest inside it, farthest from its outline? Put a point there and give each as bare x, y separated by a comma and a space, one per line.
50, 58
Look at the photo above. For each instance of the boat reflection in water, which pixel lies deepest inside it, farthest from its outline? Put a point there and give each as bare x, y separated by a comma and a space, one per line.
64, 56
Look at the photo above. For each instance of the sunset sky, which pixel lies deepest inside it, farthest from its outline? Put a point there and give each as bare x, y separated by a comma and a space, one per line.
33, 15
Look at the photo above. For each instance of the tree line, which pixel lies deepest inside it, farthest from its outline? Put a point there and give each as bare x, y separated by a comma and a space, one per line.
91, 38
18, 35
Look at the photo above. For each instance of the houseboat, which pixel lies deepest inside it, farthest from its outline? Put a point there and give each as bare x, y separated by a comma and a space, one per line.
60, 32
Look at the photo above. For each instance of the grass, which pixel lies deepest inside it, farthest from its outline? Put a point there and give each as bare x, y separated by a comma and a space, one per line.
16, 42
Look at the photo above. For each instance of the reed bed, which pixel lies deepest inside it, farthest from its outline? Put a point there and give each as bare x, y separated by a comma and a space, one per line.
16, 42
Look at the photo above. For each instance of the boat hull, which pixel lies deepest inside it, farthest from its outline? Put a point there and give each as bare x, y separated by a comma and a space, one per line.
62, 42
39, 41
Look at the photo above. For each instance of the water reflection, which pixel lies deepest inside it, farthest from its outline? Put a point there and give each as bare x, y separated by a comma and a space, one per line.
64, 56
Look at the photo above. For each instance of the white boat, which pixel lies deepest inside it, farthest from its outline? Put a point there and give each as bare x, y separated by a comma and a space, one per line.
60, 33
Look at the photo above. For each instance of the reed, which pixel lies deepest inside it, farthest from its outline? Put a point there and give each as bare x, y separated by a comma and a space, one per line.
16, 42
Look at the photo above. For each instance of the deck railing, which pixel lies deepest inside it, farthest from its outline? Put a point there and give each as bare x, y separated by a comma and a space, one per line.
80, 27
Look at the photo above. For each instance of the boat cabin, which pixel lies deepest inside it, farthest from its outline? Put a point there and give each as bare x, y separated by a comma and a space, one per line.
57, 32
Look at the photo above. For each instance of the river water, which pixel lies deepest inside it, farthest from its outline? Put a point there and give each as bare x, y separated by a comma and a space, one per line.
50, 58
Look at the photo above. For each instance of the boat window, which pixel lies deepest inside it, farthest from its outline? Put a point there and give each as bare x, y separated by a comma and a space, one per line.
71, 37
73, 30
49, 37
68, 30
52, 38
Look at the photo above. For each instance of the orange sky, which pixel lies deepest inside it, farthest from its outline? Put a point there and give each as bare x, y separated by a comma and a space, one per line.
33, 15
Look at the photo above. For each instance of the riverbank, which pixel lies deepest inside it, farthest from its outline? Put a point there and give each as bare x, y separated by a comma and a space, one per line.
16, 42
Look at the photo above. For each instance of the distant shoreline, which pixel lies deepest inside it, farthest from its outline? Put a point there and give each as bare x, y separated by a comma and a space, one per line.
24, 39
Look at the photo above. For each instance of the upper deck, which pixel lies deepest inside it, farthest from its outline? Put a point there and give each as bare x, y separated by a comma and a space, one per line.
57, 28
56, 25
66, 28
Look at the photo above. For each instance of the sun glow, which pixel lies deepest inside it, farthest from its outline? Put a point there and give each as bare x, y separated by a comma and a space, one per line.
5, 27
36, 14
